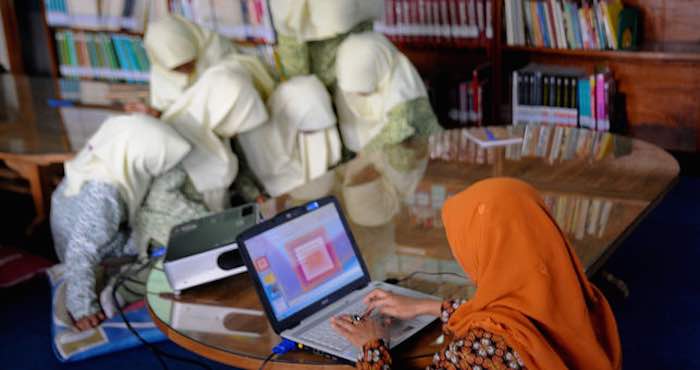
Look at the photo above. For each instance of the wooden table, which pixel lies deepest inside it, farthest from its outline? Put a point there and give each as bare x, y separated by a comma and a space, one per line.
32, 137
598, 197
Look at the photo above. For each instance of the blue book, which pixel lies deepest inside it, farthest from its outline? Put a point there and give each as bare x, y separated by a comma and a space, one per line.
542, 17
584, 102
124, 64
131, 53
573, 10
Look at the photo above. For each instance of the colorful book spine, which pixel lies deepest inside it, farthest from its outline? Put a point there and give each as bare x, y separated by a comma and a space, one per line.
581, 24
101, 56
436, 21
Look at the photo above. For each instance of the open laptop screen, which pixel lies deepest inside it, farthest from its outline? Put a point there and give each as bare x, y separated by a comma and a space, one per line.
304, 260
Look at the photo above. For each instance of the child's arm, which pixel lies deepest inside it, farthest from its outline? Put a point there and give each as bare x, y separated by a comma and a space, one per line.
95, 234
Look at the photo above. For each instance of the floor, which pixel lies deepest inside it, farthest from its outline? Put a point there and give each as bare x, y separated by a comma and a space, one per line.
658, 322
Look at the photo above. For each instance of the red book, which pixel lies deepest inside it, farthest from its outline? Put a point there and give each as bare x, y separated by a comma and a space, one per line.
552, 25
422, 20
398, 13
476, 96
414, 21
481, 18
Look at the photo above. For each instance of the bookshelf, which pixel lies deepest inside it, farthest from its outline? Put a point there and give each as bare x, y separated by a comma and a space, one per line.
658, 83
99, 30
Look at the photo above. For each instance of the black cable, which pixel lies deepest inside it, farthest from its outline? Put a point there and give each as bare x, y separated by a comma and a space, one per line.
118, 282
267, 359
414, 273
121, 278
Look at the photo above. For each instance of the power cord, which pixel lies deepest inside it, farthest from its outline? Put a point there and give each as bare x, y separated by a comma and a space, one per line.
414, 273
158, 353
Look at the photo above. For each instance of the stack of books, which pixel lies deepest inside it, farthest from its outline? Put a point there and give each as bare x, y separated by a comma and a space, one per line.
436, 21
580, 216
563, 96
102, 56
113, 15
560, 143
102, 93
563, 24
236, 19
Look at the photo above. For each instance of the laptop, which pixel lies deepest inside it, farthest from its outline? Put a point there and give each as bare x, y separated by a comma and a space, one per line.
307, 268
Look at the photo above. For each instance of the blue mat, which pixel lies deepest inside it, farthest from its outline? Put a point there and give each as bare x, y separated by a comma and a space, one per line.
112, 335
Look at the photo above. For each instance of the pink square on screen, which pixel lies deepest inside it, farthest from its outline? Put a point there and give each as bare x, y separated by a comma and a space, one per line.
313, 257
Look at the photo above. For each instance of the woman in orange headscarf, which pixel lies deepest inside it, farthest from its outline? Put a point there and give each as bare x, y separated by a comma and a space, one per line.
533, 307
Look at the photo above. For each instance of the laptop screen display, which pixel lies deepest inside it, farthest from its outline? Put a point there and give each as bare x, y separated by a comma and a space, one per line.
304, 260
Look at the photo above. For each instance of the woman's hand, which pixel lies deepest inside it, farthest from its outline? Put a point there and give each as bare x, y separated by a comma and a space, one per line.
89, 321
140, 107
360, 332
401, 307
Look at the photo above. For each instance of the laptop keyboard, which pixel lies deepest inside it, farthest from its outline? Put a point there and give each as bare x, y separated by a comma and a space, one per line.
324, 334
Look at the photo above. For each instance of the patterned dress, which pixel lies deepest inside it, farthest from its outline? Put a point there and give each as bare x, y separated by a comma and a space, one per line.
88, 228
478, 350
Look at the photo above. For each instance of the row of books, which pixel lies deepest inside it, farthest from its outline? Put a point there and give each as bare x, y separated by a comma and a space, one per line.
563, 96
436, 20
564, 24
559, 143
237, 19
580, 216
458, 145
551, 143
112, 15
100, 55
102, 92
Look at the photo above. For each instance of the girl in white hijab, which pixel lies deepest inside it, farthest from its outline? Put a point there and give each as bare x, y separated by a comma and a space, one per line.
309, 32
94, 209
299, 143
209, 93
380, 97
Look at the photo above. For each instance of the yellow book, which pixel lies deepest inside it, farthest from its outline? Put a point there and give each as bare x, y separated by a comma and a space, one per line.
612, 9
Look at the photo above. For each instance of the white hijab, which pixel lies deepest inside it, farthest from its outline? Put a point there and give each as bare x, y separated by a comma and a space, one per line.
221, 99
173, 41
310, 20
373, 78
127, 151
300, 142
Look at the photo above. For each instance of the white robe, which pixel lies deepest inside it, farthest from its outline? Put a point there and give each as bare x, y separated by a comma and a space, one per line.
373, 78
300, 142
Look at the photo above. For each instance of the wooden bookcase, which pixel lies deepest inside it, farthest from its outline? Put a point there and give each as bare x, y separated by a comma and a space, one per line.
659, 84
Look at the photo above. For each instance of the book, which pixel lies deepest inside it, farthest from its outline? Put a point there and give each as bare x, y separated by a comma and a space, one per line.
493, 136
585, 24
628, 29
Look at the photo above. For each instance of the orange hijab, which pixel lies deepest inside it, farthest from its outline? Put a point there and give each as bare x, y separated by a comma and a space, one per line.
531, 288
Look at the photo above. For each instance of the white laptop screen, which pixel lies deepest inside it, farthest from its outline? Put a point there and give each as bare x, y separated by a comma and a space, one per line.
304, 260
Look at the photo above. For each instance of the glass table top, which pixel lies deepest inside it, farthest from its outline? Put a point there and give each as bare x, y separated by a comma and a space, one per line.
597, 186
31, 126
